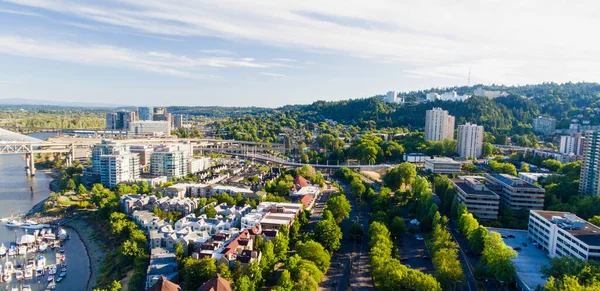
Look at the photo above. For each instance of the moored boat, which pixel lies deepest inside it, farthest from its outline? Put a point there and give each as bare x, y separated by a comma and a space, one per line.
50, 278
19, 275
43, 247
3, 250
13, 223
28, 273
22, 250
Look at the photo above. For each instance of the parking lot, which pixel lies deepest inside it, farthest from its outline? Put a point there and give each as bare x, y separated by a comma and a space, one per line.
412, 252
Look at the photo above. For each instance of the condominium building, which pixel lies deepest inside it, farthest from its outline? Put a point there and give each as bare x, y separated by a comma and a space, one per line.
119, 168
544, 125
105, 147
441, 165
470, 140
479, 200
590, 178
572, 144
439, 125
149, 128
516, 193
564, 234
145, 113
169, 161
119, 120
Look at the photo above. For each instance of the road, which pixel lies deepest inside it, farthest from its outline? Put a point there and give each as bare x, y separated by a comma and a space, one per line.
465, 261
350, 265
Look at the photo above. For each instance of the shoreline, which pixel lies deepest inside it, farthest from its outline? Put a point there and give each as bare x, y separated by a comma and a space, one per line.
93, 250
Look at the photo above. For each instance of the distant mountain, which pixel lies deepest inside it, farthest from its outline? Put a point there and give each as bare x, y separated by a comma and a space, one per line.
34, 102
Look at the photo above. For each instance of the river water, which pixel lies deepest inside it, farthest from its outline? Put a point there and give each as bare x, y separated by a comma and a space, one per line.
16, 195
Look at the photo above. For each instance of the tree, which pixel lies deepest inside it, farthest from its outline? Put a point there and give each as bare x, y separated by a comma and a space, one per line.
552, 165
356, 231
467, 224
328, 234
524, 168
81, 190
244, 284
339, 207
210, 211
357, 188
595, 220
179, 251
498, 257
70, 186
397, 227
307, 171
281, 246
306, 282
225, 272
196, 272
401, 175
487, 149
285, 281
314, 252
477, 239
448, 270
268, 257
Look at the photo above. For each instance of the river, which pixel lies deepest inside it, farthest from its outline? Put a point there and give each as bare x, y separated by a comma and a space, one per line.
16, 196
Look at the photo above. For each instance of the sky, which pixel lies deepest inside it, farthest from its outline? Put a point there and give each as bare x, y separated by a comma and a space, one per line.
273, 53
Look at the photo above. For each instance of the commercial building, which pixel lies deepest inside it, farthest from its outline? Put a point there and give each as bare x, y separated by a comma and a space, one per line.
533, 177
170, 161
564, 234
442, 165
479, 200
149, 128
119, 120
145, 113
177, 121
572, 144
439, 125
544, 125
516, 193
470, 140
590, 178
414, 158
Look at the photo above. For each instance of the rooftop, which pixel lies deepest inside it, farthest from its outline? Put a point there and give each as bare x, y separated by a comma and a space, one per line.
513, 181
587, 233
529, 260
442, 160
466, 183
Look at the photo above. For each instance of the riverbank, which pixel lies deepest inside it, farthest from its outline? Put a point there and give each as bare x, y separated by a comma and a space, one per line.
93, 248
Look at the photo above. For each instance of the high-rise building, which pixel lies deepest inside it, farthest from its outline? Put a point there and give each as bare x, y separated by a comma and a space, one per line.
544, 125
119, 120
590, 177
159, 114
145, 113
114, 163
470, 140
177, 121
572, 144
170, 161
439, 125
149, 128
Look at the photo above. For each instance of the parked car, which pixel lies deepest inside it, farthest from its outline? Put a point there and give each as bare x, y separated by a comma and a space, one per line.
403, 259
517, 248
426, 258
510, 236
419, 237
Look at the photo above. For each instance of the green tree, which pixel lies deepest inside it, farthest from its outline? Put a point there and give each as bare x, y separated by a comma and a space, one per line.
179, 251
595, 220
356, 231
448, 270
397, 227
314, 251
498, 258
477, 239
339, 207
285, 282
524, 168
244, 284
70, 186
552, 165
328, 234
81, 190
210, 211
225, 272
487, 149
281, 246
196, 272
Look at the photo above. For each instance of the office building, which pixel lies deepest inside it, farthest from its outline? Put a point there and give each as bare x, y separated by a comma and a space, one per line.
533, 177
572, 144
392, 97
544, 125
516, 193
439, 125
145, 113
479, 200
441, 165
119, 168
149, 128
564, 234
590, 178
119, 120
177, 121
470, 140
170, 161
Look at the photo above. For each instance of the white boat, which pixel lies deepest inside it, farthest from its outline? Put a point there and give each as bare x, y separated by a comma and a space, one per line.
14, 289
52, 270
32, 249
62, 274
50, 278
13, 223
26, 288
28, 273
29, 224
22, 250
41, 265
43, 247
12, 251
19, 274
3, 250
9, 268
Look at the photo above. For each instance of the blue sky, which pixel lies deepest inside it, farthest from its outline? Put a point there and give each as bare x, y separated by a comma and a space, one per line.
272, 53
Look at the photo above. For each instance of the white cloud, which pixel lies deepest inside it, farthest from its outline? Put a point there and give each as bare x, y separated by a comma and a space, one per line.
504, 41
285, 60
271, 74
18, 12
111, 56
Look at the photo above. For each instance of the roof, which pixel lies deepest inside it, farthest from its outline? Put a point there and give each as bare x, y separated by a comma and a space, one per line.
217, 283
466, 188
589, 234
306, 200
300, 181
513, 181
7, 136
164, 285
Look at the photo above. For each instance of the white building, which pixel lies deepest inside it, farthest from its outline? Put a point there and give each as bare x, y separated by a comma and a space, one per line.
439, 125
119, 168
478, 199
488, 93
470, 140
564, 234
414, 158
198, 165
572, 144
442, 165
544, 125
453, 96
149, 128
533, 177
170, 161
392, 97
516, 193
430, 97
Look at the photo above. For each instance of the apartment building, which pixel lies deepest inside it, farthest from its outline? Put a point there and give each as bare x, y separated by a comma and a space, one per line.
544, 125
479, 200
470, 140
516, 193
572, 144
564, 234
590, 178
169, 161
119, 168
439, 125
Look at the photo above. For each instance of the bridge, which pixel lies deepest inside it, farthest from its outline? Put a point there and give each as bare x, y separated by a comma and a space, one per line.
60, 131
